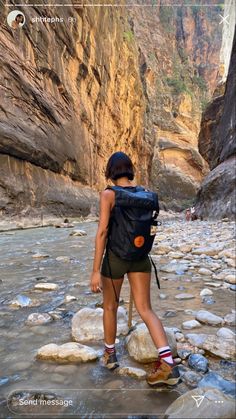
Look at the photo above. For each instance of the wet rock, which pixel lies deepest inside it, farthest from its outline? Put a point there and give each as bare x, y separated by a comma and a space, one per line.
209, 251
21, 366
179, 337
233, 287
231, 279
40, 256
185, 406
224, 348
22, 301
173, 267
170, 313
191, 324
225, 333
141, 347
208, 300
185, 248
176, 255
3, 380
69, 352
57, 378
132, 372
184, 296
78, 233
184, 353
213, 284
191, 378
230, 319
162, 250
162, 296
46, 286
63, 259
205, 291
198, 362
69, 298
207, 317
227, 253
214, 380
87, 324
204, 271
38, 319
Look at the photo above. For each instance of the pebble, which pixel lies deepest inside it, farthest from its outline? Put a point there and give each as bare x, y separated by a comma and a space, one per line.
78, 233
63, 259
162, 296
230, 319
191, 324
69, 298
40, 256
46, 286
38, 319
207, 317
205, 291
184, 296
225, 333
204, 271
21, 301
231, 279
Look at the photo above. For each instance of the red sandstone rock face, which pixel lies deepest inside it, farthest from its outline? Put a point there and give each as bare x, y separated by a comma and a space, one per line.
118, 79
217, 144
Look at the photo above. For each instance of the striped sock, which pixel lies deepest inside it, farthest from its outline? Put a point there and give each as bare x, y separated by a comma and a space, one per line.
109, 348
165, 354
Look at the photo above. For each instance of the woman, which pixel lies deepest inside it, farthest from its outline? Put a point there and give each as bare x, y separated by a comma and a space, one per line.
120, 171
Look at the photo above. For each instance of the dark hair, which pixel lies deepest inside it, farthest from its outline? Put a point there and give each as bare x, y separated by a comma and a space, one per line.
19, 15
119, 165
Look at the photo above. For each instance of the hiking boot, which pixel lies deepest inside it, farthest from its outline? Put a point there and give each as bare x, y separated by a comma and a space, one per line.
164, 373
110, 360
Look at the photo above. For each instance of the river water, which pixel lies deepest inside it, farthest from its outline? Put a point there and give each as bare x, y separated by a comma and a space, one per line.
93, 391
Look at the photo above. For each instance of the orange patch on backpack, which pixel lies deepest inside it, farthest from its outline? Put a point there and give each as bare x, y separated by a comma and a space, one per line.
139, 241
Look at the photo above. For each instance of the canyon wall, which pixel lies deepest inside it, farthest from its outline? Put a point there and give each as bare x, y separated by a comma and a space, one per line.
217, 144
106, 79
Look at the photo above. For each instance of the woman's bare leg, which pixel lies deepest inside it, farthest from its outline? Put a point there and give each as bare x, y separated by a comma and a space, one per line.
140, 286
110, 307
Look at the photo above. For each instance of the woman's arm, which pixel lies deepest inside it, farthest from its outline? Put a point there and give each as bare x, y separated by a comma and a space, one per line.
106, 203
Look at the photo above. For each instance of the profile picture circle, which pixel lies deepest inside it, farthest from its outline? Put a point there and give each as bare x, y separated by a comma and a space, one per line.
16, 19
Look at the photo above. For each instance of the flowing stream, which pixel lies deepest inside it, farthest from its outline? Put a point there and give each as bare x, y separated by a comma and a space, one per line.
94, 391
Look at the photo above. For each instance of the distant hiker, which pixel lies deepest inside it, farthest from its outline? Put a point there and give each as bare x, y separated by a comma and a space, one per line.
126, 232
193, 215
188, 214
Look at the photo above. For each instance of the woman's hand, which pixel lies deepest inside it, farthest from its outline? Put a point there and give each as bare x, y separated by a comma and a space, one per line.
96, 282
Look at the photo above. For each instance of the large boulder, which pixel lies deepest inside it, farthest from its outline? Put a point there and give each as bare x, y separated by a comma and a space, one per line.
87, 324
141, 347
186, 406
224, 348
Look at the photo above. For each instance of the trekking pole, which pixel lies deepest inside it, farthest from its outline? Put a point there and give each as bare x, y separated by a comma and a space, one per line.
130, 309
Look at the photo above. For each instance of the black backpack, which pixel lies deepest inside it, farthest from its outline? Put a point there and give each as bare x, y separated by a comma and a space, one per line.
133, 221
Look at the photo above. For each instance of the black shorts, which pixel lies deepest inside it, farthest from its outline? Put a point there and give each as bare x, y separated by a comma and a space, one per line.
119, 267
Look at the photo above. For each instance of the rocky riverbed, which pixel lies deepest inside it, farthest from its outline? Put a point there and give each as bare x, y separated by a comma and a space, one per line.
51, 324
